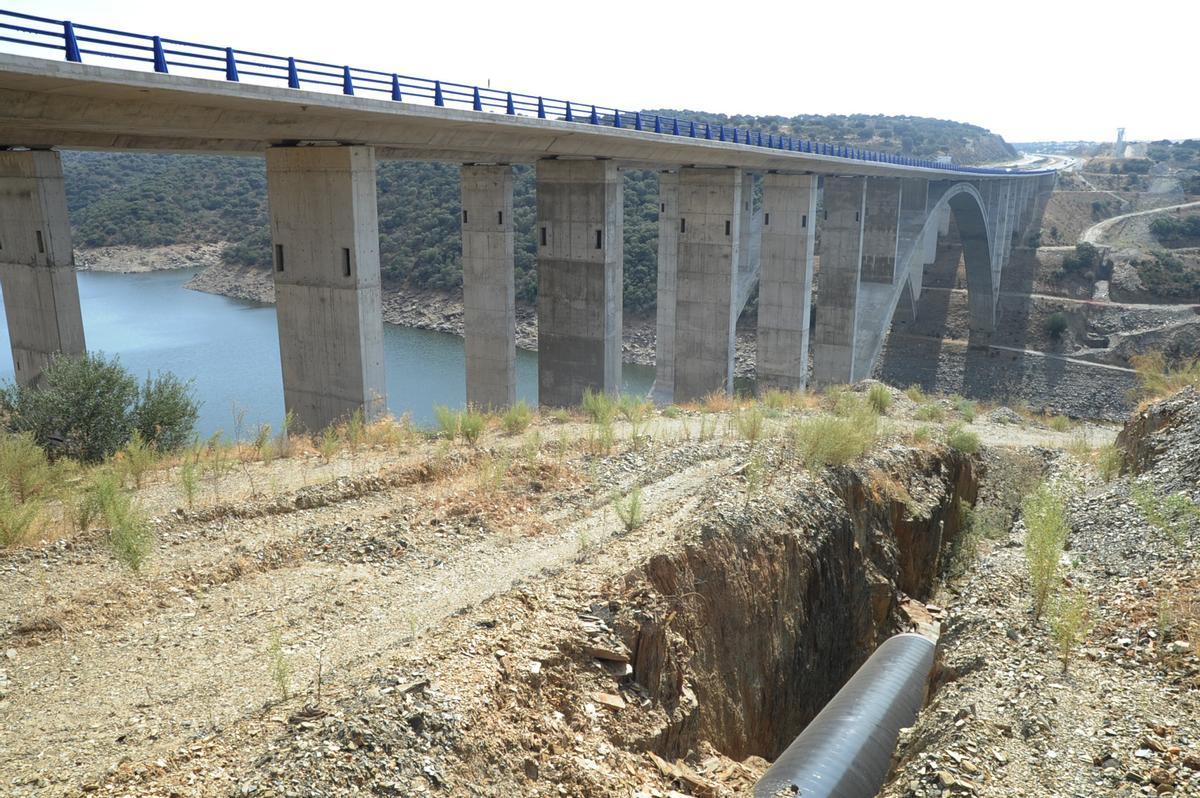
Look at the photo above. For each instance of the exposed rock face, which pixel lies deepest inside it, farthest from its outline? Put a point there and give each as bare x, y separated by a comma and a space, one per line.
744, 632
1164, 439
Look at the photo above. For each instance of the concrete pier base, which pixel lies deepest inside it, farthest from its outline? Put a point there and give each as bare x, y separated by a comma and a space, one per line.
663, 392
325, 237
785, 280
710, 216
489, 305
37, 267
841, 267
579, 234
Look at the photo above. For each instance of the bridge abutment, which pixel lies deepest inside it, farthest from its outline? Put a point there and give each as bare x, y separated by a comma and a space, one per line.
37, 265
325, 236
785, 280
711, 214
580, 246
489, 304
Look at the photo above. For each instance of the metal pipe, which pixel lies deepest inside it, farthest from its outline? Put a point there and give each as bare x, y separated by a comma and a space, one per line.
846, 751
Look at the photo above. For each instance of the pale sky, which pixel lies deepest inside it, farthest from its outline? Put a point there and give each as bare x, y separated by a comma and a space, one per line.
1026, 70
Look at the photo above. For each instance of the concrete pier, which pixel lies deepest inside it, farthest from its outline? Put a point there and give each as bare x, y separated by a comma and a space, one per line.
881, 231
785, 280
841, 266
663, 392
37, 267
579, 234
489, 304
325, 237
710, 216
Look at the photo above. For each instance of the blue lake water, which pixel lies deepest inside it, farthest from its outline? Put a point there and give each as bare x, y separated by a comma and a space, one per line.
230, 348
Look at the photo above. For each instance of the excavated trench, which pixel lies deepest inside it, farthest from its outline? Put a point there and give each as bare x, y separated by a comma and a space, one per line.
742, 634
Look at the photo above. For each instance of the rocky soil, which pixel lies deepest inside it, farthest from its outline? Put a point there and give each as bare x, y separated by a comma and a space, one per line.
427, 618
1123, 718
128, 259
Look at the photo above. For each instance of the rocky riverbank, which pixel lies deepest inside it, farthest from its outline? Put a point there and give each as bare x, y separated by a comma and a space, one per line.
442, 311
136, 260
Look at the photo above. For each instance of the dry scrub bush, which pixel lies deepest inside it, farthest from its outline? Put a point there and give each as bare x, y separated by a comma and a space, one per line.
833, 440
880, 398
749, 424
629, 508
1172, 515
1045, 516
517, 418
599, 406
962, 440
1158, 379
930, 412
1069, 623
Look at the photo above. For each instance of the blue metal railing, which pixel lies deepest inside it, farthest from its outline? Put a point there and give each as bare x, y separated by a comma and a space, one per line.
77, 41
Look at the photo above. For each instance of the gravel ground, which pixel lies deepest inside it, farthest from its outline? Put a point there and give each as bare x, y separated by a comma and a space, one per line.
1124, 718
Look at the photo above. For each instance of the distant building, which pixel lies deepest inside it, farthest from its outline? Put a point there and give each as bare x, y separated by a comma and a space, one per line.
1119, 147
945, 160
1137, 150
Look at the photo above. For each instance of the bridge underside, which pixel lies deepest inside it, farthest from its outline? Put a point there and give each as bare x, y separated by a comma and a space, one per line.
730, 219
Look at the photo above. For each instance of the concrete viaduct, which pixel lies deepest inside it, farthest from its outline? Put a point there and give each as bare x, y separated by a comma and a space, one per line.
737, 209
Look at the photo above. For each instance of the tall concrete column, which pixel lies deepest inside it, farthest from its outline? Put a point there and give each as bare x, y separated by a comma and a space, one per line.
785, 280
668, 246
710, 221
841, 266
944, 221
913, 196
580, 245
489, 304
881, 231
325, 233
37, 267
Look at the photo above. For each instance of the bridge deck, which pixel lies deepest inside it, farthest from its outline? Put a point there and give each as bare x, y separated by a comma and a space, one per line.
45, 103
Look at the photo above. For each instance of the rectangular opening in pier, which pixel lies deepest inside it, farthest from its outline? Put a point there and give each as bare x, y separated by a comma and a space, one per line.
345, 261
279, 257
41, 243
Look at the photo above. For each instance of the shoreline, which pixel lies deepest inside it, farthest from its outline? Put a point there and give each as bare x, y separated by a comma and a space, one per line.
442, 311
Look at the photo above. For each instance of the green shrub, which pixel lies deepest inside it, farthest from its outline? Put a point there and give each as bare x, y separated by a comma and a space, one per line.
1060, 423
880, 398
1172, 514
87, 407
629, 509
16, 517
137, 458
1109, 461
471, 424
1057, 324
915, 394
448, 421
517, 418
24, 467
965, 407
599, 407
833, 440
166, 413
749, 424
962, 440
1046, 530
930, 412
1069, 623
1159, 379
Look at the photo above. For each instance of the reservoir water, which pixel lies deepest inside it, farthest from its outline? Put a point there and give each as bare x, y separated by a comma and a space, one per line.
230, 349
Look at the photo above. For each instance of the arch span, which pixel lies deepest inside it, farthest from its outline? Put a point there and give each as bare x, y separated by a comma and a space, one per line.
970, 214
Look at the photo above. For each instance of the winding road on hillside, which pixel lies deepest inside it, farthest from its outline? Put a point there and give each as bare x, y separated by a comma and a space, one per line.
1095, 233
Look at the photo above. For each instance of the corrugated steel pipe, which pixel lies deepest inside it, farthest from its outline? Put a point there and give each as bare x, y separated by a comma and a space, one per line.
846, 751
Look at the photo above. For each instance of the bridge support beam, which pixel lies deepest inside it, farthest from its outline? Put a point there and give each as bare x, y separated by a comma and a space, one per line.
785, 280
325, 233
710, 220
841, 267
663, 392
489, 304
37, 267
580, 231
913, 196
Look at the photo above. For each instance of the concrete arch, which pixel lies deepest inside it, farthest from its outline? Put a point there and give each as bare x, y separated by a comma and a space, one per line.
971, 218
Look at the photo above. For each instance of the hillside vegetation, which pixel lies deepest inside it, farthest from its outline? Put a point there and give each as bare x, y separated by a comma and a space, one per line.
154, 200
